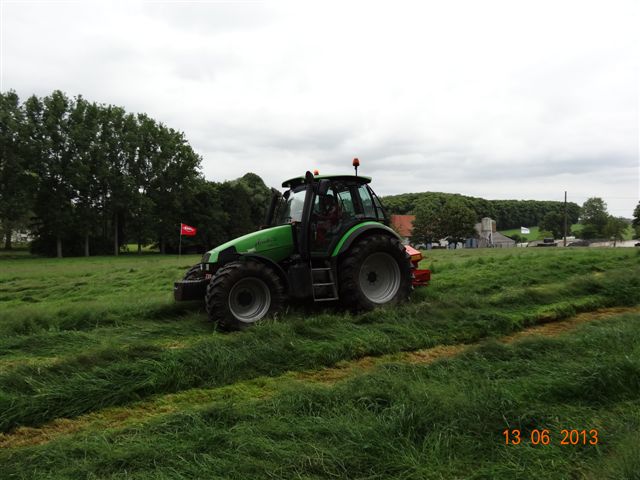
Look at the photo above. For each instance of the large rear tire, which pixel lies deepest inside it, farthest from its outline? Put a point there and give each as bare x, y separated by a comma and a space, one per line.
375, 271
243, 293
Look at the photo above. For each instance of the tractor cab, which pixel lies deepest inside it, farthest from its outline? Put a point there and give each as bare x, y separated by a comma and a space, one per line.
323, 208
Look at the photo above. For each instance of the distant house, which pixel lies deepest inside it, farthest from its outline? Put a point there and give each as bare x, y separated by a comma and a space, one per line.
488, 236
403, 224
21, 236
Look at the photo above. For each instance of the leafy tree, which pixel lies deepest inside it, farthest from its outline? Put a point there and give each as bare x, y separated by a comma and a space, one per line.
83, 131
141, 205
223, 211
17, 180
116, 151
517, 238
95, 167
260, 196
594, 217
140, 209
458, 220
553, 222
590, 232
236, 199
54, 201
507, 213
402, 204
172, 180
427, 226
636, 220
206, 211
94, 176
615, 229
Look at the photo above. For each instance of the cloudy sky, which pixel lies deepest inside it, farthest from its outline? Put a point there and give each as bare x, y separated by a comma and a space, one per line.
497, 99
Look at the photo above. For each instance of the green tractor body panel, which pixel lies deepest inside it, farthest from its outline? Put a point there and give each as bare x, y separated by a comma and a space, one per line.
356, 230
275, 243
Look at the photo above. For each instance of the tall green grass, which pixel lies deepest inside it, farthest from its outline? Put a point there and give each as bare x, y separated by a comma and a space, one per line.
104, 343
404, 421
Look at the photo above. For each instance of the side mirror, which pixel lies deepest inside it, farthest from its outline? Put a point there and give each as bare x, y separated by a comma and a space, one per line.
323, 188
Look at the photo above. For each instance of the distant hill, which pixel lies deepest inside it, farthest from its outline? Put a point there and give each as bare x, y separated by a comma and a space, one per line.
507, 213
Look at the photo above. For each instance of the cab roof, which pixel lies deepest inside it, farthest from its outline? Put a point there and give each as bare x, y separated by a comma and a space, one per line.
294, 182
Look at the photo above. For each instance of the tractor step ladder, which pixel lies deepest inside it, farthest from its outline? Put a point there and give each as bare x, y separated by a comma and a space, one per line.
321, 280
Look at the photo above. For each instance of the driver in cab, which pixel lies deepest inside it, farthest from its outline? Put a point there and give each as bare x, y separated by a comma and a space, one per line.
327, 218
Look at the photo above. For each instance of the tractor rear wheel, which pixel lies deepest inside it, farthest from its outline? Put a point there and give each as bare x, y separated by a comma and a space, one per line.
376, 271
243, 293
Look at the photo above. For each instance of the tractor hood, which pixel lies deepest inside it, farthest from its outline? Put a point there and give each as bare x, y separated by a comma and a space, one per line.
275, 243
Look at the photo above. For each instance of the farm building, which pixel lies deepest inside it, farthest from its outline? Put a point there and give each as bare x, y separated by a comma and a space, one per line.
21, 236
403, 224
488, 236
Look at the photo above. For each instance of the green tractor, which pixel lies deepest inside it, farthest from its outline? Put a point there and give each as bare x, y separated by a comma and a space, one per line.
326, 239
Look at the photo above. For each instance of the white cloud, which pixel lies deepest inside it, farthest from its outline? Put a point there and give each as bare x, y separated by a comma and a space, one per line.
497, 99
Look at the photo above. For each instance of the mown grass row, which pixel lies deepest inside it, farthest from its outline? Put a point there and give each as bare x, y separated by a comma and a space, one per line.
105, 299
405, 421
471, 298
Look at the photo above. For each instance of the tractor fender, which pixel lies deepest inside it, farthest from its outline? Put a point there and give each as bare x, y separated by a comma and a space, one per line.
358, 232
267, 261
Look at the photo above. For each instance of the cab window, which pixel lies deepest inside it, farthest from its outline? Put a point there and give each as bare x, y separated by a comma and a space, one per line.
378, 205
290, 206
346, 202
367, 202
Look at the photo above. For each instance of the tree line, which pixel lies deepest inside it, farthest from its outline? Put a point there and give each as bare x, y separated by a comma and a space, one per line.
88, 178
597, 223
508, 214
453, 216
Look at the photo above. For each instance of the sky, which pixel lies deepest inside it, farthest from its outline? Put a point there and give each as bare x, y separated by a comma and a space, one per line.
495, 99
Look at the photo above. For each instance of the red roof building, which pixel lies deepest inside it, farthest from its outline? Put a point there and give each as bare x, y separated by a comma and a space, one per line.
403, 224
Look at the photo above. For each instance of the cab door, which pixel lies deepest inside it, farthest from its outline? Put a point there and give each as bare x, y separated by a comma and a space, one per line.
332, 214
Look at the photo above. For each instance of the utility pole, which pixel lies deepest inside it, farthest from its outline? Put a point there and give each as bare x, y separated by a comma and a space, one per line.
565, 218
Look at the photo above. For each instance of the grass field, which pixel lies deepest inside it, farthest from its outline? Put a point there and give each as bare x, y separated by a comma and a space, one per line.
575, 229
103, 376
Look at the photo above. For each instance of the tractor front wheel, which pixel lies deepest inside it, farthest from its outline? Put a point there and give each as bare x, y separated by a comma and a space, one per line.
376, 271
242, 293
194, 273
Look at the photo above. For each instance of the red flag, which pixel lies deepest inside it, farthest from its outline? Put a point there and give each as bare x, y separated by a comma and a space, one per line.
187, 230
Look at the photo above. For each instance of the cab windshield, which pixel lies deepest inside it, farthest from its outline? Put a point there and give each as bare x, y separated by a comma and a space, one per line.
290, 207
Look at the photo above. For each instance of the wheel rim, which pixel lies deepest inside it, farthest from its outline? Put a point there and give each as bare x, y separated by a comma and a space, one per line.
249, 299
379, 277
